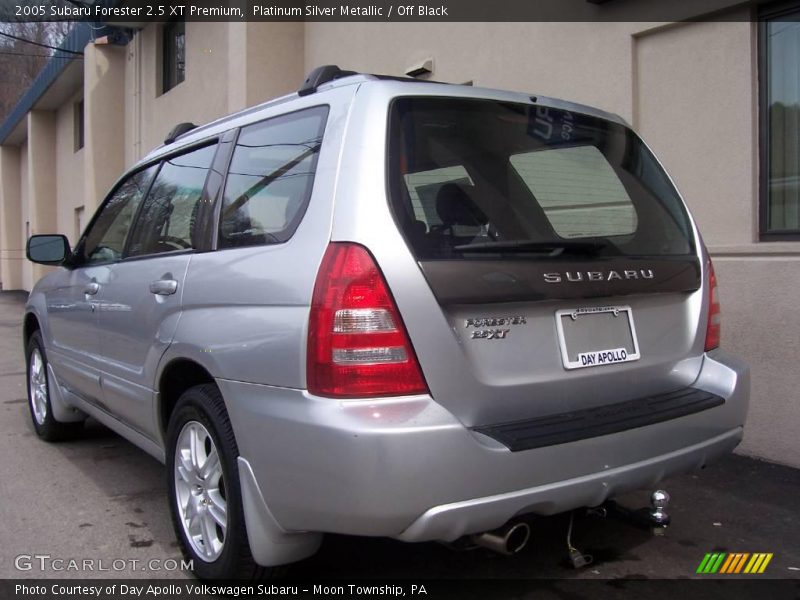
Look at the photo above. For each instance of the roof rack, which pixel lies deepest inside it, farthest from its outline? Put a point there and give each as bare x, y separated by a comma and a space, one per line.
316, 78
328, 73
321, 75
178, 131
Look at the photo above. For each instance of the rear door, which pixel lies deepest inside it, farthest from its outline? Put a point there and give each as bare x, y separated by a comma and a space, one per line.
561, 259
139, 305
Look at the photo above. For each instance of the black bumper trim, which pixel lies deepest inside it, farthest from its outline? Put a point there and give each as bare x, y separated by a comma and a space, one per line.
601, 420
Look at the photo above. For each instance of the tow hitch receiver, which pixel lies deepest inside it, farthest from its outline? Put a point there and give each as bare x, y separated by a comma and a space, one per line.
654, 518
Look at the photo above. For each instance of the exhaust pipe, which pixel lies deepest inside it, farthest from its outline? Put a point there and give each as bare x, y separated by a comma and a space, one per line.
508, 539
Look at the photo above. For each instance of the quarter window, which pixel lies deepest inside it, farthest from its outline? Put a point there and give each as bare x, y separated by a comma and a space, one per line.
167, 220
780, 90
270, 178
105, 240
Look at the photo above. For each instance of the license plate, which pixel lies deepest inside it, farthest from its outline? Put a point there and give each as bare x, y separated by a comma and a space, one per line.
596, 336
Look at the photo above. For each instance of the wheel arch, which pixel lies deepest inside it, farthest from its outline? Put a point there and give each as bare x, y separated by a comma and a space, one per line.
29, 326
177, 376
270, 545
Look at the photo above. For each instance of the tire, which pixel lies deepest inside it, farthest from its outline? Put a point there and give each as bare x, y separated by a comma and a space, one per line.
44, 423
205, 501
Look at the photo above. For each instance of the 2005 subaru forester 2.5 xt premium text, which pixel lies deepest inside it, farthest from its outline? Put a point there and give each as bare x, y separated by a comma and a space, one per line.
386, 307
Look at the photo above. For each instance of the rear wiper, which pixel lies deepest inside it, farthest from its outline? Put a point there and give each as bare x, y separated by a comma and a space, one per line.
552, 248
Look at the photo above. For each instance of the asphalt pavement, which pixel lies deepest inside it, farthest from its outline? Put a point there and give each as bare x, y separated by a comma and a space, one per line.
101, 499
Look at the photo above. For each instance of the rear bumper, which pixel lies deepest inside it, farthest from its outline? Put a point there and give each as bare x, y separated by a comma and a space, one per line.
407, 468
451, 521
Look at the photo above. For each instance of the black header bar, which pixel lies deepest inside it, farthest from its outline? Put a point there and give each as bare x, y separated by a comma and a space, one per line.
138, 13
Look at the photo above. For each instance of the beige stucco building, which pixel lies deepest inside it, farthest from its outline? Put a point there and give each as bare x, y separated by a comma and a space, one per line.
691, 89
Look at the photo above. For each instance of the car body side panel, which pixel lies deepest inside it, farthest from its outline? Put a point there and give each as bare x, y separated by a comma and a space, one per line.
68, 317
135, 328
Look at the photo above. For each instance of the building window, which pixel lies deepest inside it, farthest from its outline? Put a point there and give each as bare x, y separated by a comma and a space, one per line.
79, 124
80, 222
174, 54
780, 124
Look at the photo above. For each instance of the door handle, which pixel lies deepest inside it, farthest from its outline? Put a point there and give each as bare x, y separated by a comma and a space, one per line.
164, 287
91, 288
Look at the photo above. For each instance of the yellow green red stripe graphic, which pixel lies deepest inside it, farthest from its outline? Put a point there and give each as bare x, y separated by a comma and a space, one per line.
734, 562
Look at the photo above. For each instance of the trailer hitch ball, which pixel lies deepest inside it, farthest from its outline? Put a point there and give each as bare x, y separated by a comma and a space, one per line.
659, 501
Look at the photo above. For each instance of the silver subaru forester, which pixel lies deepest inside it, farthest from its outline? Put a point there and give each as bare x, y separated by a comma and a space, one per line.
386, 307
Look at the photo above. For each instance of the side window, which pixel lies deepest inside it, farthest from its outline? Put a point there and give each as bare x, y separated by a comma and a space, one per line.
423, 188
167, 220
106, 239
270, 178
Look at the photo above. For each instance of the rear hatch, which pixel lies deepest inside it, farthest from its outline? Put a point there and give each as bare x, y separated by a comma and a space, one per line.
560, 255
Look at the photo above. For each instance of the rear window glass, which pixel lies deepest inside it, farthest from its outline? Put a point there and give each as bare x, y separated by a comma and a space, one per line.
471, 178
270, 178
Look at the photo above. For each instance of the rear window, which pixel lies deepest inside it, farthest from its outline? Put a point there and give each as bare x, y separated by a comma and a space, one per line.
473, 178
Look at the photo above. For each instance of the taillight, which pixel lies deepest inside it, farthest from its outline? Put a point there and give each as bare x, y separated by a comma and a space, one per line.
713, 328
357, 344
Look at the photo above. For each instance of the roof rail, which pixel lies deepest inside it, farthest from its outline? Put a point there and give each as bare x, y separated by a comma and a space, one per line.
178, 131
321, 75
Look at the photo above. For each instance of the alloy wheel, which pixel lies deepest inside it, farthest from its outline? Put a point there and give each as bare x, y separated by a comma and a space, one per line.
200, 491
37, 385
